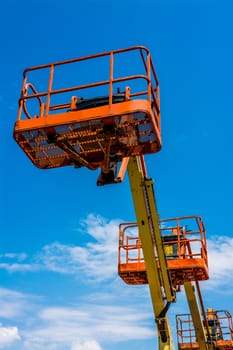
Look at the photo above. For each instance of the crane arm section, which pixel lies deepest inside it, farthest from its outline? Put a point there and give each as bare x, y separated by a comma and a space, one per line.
161, 290
196, 316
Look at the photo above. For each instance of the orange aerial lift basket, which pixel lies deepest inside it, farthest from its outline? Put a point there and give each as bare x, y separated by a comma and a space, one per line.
184, 243
219, 333
90, 111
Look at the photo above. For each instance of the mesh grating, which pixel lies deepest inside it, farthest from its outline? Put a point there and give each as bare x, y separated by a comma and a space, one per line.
69, 144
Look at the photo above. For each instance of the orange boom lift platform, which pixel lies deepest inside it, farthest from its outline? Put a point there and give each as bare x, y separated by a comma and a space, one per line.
85, 130
184, 244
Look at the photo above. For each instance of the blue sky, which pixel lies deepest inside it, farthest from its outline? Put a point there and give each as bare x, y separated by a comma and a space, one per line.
59, 288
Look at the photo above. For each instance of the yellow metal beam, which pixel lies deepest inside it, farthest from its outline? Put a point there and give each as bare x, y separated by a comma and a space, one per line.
157, 274
196, 315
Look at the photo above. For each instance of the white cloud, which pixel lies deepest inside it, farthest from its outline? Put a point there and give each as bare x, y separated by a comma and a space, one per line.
83, 325
100, 228
220, 263
20, 256
18, 267
15, 304
86, 345
96, 260
61, 258
93, 318
8, 335
15, 262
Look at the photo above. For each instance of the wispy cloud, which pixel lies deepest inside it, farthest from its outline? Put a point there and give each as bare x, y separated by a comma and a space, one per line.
15, 262
87, 322
19, 257
8, 335
19, 267
220, 263
77, 325
87, 345
15, 304
97, 260
87, 260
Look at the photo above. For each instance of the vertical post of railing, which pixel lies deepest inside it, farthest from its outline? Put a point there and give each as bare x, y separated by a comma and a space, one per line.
49, 89
139, 245
149, 76
190, 328
119, 253
178, 239
156, 95
127, 251
21, 100
110, 77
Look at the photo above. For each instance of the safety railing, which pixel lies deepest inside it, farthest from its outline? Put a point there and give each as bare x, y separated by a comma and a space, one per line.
219, 324
183, 238
185, 329
34, 88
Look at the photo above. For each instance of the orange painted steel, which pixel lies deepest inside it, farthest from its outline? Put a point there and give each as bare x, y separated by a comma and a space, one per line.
57, 126
184, 242
220, 331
